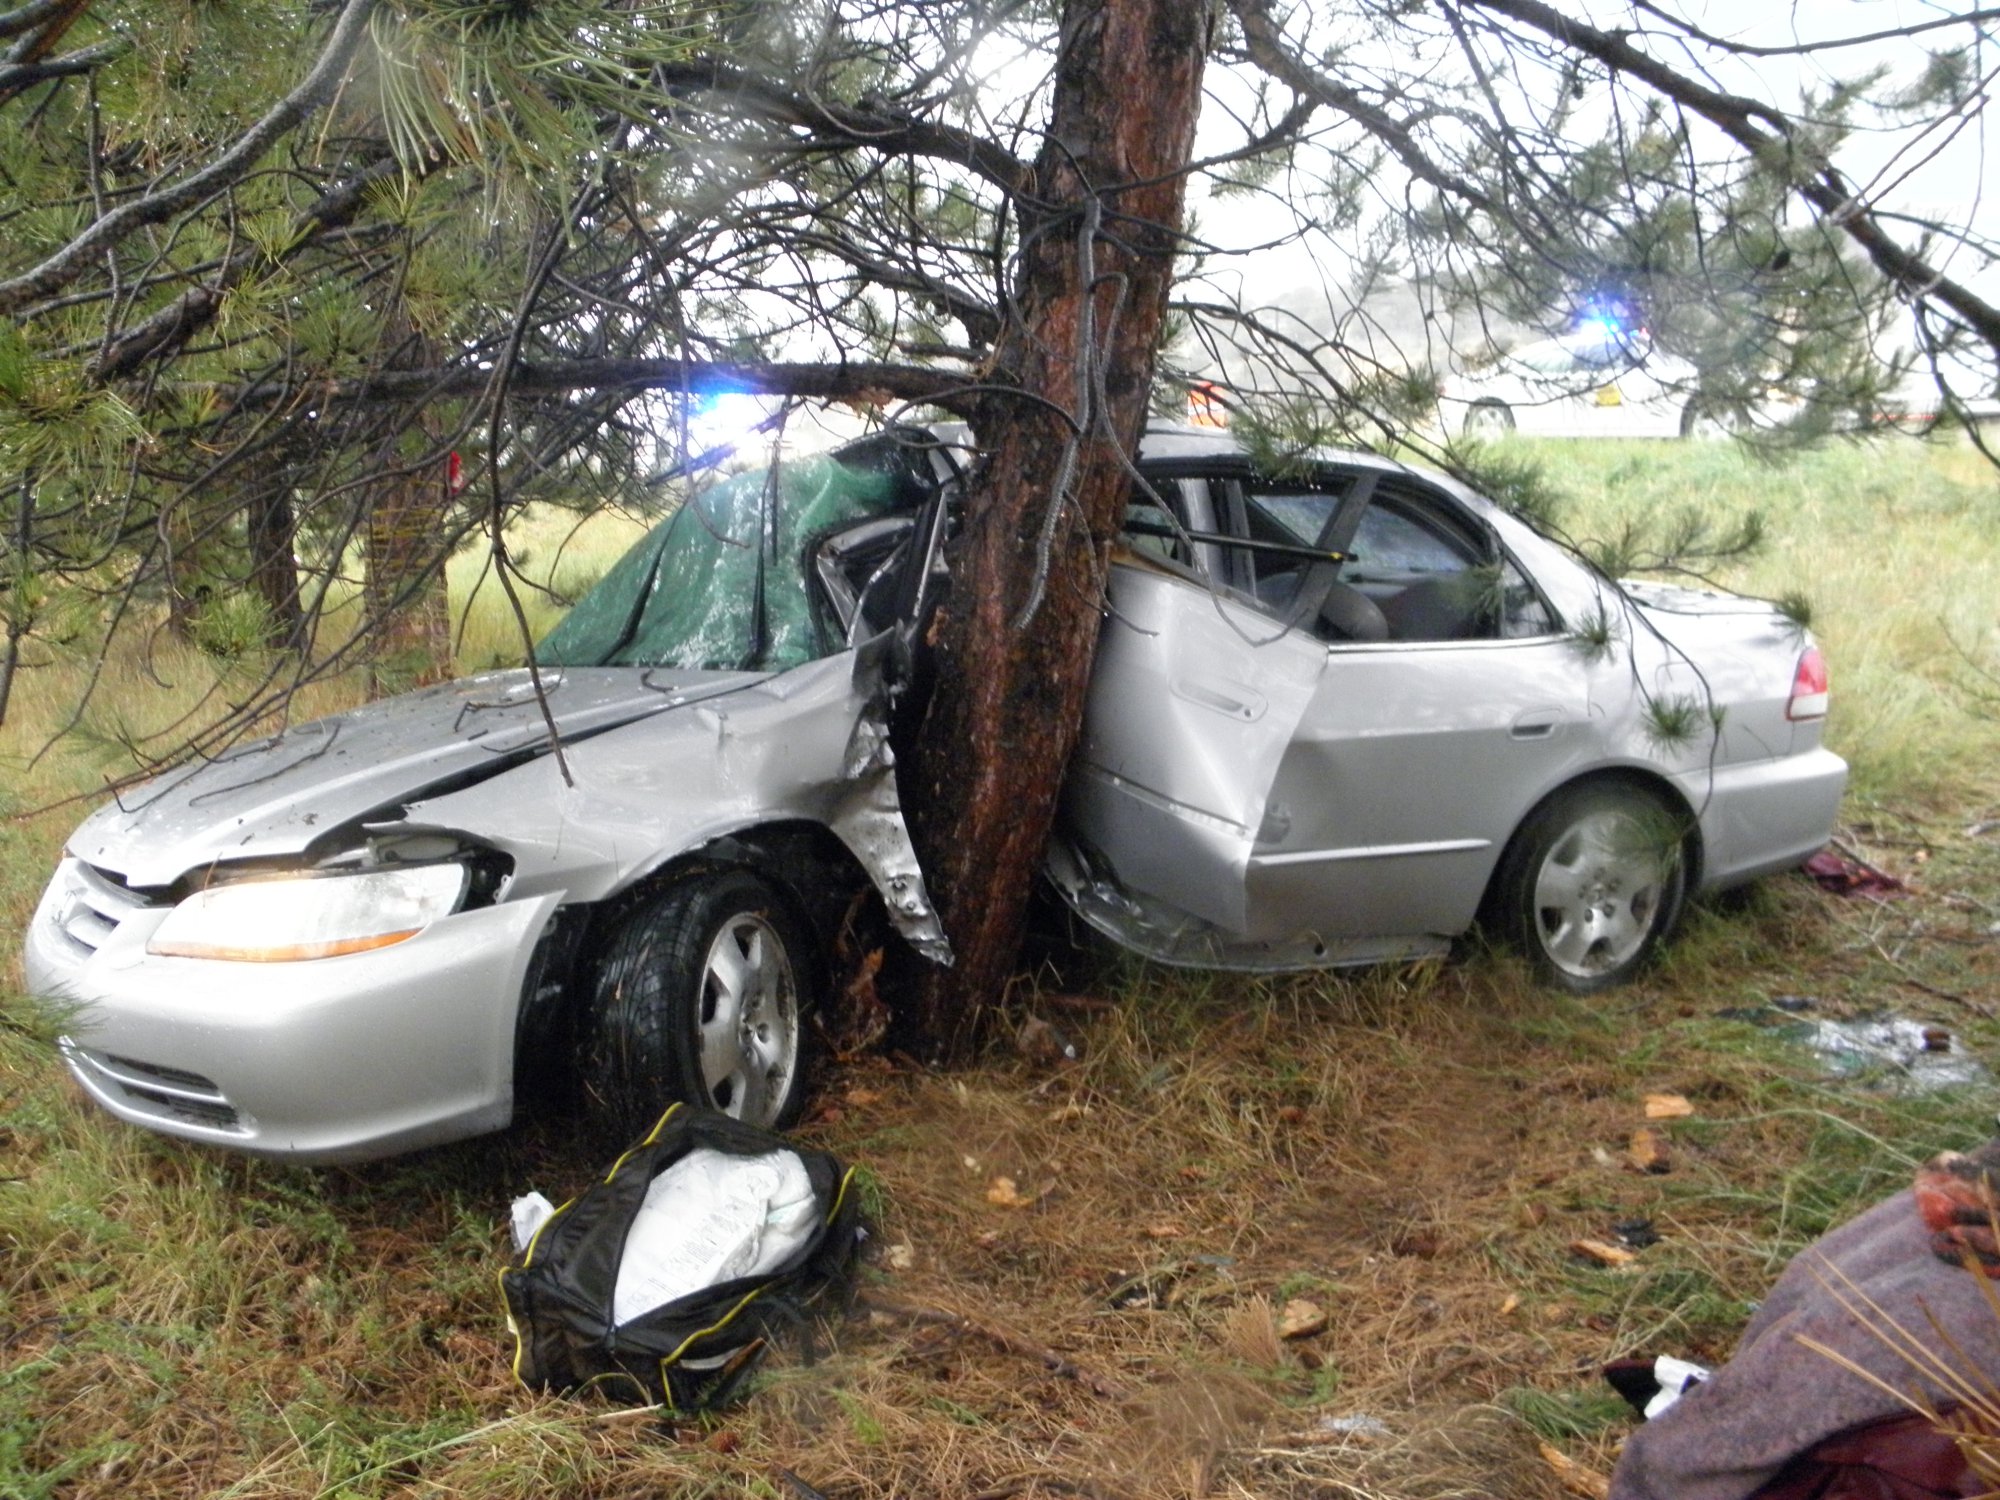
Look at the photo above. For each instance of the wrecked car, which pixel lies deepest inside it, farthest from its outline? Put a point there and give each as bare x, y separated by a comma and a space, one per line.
1336, 717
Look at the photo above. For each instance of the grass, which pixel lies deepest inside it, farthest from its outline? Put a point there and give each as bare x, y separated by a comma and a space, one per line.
1893, 544
1414, 1150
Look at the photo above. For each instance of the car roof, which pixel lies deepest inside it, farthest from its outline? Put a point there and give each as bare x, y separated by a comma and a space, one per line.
1170, 442
1183, 442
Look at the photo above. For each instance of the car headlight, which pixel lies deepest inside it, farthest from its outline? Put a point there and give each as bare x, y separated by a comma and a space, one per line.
291, 918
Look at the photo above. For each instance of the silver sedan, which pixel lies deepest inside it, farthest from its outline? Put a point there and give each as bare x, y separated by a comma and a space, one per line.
1335, 718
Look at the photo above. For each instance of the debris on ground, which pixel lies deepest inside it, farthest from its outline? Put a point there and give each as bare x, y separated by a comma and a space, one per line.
1573, 1476
664, 1282
1301, 1318
1845, 875
1041, 1042
1614, 1256
1892, 1053
1647, 1152
1899, 1054
1652, 1386
528, 1214
1004, 1192
1667, 1107
1635, 1234
1355, 1424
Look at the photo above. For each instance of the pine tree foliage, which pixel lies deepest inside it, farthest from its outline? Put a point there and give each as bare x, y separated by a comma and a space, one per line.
273, 271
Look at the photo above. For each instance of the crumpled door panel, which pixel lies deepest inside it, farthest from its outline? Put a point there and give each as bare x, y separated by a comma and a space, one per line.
1193, 703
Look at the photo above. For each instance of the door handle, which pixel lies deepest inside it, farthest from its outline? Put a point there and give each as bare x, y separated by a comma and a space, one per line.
1536, 724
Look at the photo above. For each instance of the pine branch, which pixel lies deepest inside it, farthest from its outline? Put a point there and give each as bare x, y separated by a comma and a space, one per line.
78, 255
1766, 134
17, 76
873, 126
28, 17
166, 330
857, 382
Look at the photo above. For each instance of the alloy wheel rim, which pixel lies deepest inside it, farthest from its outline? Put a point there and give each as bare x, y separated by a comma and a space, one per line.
748, 1029
1598, 893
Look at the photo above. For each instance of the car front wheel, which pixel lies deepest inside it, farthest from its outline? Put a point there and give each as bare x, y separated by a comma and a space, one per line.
1591, 884
703, 995
1489, 419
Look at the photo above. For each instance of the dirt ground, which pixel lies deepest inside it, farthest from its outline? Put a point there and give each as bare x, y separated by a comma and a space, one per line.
1314, 1236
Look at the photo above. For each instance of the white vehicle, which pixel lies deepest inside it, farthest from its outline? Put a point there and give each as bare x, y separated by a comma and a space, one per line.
1595, 382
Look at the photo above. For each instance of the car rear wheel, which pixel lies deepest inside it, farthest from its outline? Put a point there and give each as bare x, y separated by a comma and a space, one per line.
1591, 884
1709, 421
703, 995
1489, 419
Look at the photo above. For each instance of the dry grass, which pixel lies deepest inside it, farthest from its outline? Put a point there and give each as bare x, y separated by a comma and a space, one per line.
1412, 1150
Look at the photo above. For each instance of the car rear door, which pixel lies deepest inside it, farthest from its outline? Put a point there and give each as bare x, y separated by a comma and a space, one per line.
1269, 775
1421, 752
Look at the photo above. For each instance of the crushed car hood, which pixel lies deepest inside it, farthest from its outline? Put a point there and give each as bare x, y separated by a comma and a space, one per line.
272, 798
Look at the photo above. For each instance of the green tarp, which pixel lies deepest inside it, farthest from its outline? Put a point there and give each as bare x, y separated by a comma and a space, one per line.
687, 595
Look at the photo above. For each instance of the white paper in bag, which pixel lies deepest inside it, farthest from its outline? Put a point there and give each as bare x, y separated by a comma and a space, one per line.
712, 1217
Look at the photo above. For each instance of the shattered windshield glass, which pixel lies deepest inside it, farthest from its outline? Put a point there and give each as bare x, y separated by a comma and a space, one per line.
694, 593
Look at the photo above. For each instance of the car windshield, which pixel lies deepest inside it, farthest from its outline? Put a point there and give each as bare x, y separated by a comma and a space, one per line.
692, 593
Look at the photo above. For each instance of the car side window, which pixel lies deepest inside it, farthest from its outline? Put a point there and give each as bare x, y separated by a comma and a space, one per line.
1432, 581
1287, 518
1171, 520
1154, 532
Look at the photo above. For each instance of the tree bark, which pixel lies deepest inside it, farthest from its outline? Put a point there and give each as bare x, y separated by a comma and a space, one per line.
409, 613
1100, 226
274, 570
17, 607
408, 610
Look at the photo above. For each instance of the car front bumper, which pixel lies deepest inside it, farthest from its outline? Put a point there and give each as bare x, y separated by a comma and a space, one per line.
329, 1060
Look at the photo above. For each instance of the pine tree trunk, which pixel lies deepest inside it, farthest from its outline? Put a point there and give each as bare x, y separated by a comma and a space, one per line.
14, 603
189, 534
274, 571
1105, 208
408, 612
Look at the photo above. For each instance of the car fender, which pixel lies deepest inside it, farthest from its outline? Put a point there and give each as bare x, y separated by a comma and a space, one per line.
808, 745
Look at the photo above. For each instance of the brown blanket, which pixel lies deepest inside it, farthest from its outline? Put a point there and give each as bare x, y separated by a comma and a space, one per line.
1777, 1400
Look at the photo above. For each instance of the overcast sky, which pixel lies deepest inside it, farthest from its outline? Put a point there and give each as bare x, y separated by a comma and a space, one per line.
1937, 173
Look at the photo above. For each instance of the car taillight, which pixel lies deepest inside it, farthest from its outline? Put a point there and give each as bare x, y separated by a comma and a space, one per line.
1808, 687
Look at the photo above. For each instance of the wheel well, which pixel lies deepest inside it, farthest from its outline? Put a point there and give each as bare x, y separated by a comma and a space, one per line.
816, 873
814, 869
1658, 786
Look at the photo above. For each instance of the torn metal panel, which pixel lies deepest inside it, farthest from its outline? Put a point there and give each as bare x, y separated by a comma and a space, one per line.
1164, 933
869, 821
794, 747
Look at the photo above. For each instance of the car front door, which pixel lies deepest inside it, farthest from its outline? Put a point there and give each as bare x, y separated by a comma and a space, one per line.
1195, 698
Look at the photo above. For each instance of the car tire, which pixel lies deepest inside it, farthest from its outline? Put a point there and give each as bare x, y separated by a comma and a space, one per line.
704, 994
1591, 884
1701, 420
1489, 419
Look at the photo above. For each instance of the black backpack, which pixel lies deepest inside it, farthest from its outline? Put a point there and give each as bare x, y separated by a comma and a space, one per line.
693, 1352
